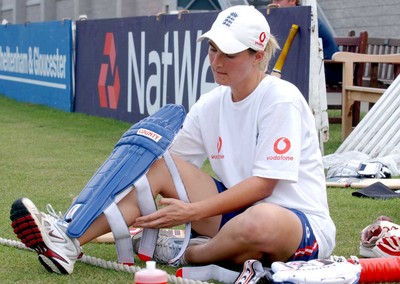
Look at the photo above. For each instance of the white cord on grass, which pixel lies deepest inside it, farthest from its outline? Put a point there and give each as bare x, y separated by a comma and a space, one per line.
105, 264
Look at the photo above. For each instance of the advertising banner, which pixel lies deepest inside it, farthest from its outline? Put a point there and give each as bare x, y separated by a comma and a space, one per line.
35, 63
128, 68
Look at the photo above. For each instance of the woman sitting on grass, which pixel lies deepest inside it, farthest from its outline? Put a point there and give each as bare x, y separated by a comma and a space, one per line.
269, 202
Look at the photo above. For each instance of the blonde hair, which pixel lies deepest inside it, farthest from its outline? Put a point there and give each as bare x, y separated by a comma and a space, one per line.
269, 52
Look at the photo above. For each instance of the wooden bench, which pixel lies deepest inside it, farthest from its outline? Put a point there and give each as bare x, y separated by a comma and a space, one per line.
352, 93
356, 44
378, 133
385, 73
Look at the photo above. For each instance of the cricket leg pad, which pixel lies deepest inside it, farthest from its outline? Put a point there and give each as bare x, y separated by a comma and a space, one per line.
132, 156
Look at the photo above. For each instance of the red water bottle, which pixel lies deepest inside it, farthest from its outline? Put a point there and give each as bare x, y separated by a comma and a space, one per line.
151, 275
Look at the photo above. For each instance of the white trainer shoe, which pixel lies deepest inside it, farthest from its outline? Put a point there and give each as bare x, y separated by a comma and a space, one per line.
46, 234
168, 248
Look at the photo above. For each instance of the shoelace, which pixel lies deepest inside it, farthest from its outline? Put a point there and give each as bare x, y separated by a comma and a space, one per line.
59, 217
167, 249
53, 213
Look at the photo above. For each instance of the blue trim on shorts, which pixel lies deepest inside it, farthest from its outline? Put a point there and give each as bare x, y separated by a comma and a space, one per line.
308, 248
226, 217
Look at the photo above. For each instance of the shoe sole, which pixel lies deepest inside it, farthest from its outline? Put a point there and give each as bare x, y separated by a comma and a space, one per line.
367, 252
26, 228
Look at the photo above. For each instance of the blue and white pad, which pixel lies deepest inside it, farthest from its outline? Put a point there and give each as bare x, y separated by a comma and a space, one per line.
135, 152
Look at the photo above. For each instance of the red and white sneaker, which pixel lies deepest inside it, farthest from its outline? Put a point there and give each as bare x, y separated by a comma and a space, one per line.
389, 245
46, 234
372, 234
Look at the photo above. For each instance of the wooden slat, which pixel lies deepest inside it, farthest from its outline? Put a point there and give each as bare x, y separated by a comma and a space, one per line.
378, 133
386, 72
350, 96
351, 43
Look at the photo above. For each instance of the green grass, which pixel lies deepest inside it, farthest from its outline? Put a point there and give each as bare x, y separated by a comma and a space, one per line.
49, 155
335, 138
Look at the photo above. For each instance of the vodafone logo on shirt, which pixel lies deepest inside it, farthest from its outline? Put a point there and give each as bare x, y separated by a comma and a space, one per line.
219, 147
282, 145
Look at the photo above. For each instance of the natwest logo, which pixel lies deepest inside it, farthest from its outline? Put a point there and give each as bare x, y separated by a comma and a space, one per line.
281, 146
109, 94
219, 147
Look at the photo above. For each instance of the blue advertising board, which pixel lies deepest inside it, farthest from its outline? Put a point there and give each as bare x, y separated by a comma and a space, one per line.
35, 63
128, 68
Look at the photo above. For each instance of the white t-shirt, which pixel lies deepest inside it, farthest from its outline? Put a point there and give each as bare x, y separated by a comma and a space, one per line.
270, 134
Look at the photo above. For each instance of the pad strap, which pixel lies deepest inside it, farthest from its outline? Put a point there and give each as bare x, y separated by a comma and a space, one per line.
252, 272
147, 206
122, 236
208, 272
180, 188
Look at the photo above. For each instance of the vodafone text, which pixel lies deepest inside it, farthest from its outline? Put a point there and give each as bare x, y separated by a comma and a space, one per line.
217, 157
280, 157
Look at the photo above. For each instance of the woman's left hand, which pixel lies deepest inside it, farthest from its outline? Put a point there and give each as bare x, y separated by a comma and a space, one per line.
172, 212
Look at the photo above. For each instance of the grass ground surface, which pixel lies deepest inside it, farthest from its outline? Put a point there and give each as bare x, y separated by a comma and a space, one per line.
49, 155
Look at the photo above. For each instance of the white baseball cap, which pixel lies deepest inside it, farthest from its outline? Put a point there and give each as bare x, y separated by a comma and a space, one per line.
239, 28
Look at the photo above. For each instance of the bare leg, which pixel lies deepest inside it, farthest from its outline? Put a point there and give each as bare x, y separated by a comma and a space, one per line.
198, 185
129, 209
58, 252
264, 231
